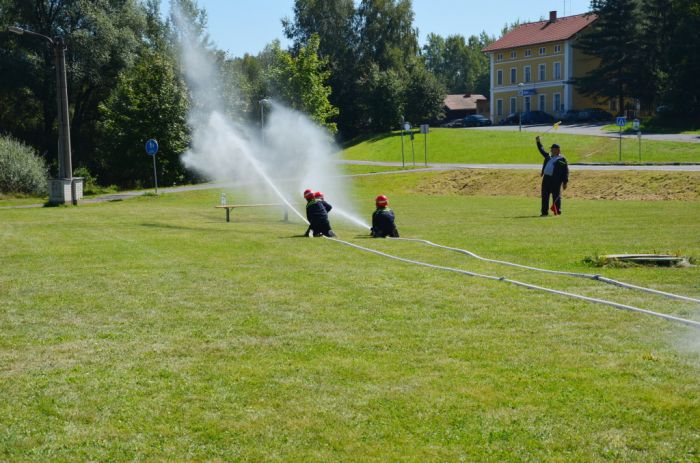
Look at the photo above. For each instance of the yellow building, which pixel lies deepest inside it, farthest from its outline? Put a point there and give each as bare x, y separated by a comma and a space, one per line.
533, 65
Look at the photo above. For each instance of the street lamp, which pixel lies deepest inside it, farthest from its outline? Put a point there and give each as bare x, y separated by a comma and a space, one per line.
520, 113
65, 187
262, 104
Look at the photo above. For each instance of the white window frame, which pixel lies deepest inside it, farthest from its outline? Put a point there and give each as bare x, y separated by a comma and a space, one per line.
527, 106
499, 107
513, 105
556, 107
542, 102
557, 48
543, 50
542, 72
556, 70
527, 74
513, 75
499, 57
499, 77
513, 54
528, 52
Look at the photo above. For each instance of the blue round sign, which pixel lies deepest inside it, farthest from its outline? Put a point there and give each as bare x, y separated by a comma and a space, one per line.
151, 147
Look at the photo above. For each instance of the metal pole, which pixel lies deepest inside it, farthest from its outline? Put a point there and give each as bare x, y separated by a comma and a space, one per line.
413, 150
65, 164
155, 175
639, 135
620, 143
425, 152
403, 162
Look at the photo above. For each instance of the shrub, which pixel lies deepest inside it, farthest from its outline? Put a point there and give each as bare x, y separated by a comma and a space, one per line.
21, 170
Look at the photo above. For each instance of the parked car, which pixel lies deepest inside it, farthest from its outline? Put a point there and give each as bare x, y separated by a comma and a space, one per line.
455, 123
572, 116
510, 119
476, 120
594, 115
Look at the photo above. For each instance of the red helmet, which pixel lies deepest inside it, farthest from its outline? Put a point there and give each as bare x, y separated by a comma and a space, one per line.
308, 194
318, 195
381, 201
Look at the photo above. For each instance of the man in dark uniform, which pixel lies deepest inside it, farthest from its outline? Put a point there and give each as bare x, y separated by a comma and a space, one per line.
555, 175
317, 216
383, 220
319, 196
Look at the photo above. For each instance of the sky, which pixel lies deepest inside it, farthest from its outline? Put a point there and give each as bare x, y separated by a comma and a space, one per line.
242, 26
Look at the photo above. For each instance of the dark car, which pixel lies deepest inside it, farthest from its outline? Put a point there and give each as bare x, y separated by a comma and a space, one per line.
476, 120
537, 117
572, 116
510, 119
594, 115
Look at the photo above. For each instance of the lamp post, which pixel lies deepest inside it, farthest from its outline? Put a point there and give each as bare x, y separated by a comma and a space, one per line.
520, 113
262, 104
65, 187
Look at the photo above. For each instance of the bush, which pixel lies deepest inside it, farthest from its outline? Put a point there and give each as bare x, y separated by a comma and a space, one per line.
90, 185
21, 170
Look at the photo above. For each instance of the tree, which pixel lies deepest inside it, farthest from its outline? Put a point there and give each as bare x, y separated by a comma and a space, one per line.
424, 96
612, 38
149, 101
386, 36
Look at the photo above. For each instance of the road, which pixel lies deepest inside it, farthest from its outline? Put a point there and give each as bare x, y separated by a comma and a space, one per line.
592, 129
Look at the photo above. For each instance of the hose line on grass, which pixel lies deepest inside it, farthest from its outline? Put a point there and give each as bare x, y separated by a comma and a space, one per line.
558, 272
616, 305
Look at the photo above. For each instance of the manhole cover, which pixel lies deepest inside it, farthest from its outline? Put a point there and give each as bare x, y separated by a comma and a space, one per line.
662, 260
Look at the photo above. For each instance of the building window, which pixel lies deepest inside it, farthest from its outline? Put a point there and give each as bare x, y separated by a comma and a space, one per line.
542, 71
557, 48
499, 77
557, 71
527, 74
527, 103
513, 75
513, 54
499, 107
542, 103
499, 57
557, 103
513, 105
528, 52
543, 51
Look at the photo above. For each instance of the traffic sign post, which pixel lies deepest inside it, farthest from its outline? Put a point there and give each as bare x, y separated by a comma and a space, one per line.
424, 130
151, 150
621, 121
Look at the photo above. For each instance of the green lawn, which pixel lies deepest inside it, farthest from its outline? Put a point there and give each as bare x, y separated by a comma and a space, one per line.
151, 329
490, 146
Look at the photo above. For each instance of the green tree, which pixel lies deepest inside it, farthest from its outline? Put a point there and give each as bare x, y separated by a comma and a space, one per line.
149, 101
612, 38
386, 36
423, 96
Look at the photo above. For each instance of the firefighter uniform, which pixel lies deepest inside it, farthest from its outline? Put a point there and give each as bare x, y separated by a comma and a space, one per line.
317, 216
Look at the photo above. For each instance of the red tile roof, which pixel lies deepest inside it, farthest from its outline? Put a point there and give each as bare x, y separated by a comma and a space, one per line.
543, 32
462, 101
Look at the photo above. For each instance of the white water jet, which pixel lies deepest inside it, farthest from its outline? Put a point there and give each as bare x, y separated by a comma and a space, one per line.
292, 154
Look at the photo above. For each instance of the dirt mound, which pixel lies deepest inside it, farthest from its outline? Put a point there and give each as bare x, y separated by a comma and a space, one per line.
619, 185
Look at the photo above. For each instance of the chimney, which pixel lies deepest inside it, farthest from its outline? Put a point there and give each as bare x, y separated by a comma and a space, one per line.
552, 16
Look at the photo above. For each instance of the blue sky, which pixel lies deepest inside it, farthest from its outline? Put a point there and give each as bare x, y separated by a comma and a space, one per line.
242, 26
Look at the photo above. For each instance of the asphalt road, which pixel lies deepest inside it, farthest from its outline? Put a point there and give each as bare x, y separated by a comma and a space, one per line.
590, 129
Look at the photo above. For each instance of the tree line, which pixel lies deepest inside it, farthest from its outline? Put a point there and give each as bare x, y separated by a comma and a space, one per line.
354, 67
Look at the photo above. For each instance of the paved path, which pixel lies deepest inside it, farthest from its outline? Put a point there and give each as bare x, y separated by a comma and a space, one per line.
591, 129
574, 166
431, 168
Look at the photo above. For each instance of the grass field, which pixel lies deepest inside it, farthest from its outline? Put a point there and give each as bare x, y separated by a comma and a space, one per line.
490, 146
150, 329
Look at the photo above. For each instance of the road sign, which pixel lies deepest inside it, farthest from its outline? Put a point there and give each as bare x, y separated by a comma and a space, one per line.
635, 124
621, 121
407, 126
424, 128
151, 147
529, 92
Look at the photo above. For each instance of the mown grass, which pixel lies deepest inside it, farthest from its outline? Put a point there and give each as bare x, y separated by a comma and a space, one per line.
150, 329
495, 146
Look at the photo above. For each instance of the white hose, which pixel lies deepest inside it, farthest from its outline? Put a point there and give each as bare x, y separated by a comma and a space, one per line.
557, 272
692, 323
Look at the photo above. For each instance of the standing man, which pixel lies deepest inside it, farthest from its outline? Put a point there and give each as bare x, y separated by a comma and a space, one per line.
383, 219
317, 216
555, 175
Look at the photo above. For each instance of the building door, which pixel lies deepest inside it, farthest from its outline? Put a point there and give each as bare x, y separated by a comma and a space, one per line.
542, 103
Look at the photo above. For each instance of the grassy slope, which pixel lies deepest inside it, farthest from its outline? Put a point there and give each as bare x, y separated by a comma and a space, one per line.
150, 329
488, 146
